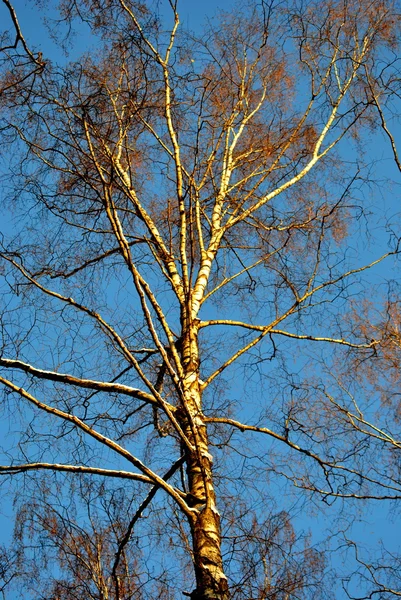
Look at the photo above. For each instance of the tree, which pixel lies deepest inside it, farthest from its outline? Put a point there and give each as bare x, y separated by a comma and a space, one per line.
188, 209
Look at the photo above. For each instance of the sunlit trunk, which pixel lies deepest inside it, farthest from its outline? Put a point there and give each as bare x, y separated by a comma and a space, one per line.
211, 582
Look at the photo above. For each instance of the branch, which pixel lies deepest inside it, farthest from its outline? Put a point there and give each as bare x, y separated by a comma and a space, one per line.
296, 306
243, 427
174, 493
101, 386
317, 154
384, 125
19, 37
168, 408
136, 517
297, 336
10, 469
91, 261
325, 465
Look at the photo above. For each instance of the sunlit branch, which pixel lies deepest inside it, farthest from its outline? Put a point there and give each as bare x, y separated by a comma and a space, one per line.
316, 155
308, 294
163, 61
357, 420
143, 288
109, 443
298, 302
248, 346
24, 467
273, 331
101, 386
114, 335
324, 464
130, 193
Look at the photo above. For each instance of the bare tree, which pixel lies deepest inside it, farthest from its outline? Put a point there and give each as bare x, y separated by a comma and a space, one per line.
185, 289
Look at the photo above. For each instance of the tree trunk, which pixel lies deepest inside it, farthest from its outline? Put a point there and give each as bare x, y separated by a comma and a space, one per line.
211, 582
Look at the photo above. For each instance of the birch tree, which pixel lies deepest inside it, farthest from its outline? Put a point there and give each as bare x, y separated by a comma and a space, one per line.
187, 311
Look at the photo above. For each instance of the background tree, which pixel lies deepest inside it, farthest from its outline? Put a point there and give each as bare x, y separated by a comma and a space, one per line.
187, 317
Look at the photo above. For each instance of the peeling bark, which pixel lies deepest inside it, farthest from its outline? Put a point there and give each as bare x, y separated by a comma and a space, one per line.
211, 581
